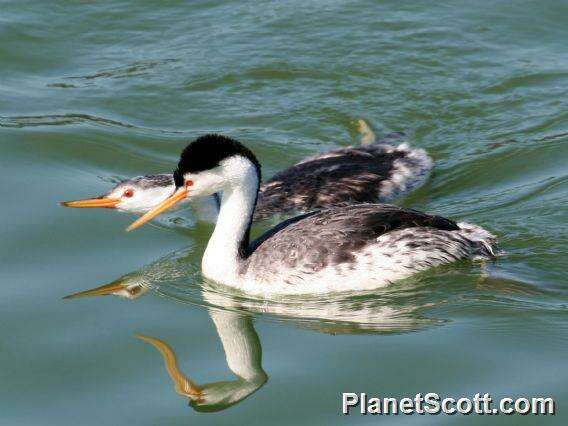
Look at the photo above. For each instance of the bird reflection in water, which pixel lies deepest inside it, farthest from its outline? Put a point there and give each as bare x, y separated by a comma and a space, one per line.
239, 339
243, 353
396, 311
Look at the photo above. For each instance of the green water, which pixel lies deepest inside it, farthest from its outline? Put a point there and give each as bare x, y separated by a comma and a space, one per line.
91, 92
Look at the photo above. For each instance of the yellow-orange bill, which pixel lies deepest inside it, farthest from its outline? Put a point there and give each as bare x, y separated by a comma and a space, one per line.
90, 203
159, 209
104, 290
183, 384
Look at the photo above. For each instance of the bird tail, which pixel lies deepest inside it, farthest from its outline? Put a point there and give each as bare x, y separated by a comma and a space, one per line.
484, 241
368, 136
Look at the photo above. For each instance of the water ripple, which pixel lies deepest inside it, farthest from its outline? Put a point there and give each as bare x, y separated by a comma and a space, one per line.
408, 306
58, 120
535, 80
135, 69
71, 119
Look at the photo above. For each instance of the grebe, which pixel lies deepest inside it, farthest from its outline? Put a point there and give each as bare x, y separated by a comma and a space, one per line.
347, 247
375, 171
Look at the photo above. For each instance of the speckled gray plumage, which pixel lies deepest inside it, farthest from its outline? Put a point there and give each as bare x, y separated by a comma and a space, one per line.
350, 238
355, 174
149, 181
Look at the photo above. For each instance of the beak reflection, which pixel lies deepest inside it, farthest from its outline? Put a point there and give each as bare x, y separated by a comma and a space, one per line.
117, 288
183, 384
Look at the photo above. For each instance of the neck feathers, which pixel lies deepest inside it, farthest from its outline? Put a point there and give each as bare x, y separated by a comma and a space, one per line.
229, 245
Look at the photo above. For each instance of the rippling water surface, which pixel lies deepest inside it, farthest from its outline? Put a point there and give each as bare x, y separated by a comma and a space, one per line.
92, 92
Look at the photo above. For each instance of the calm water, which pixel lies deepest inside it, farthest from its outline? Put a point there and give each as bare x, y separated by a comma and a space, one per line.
92, 92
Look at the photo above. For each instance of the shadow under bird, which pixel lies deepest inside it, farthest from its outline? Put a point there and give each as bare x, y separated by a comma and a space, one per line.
375, 171
340, 248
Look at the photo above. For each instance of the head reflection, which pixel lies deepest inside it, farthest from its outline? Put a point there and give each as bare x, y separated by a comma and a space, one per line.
243, 351
124, 287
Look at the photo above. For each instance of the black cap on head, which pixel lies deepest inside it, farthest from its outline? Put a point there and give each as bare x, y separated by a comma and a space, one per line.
206, 152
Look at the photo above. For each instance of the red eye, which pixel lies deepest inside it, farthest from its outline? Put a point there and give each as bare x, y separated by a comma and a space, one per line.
128, 193
188, 183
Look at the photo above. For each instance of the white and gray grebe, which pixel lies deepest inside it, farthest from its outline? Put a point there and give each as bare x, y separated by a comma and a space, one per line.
375, 171
339, 248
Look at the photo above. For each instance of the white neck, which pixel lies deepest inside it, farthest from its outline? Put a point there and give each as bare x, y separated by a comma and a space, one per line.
221, 259
241, 344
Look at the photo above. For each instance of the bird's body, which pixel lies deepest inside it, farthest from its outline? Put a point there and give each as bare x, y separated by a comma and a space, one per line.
341, 248
378, 172
356, 247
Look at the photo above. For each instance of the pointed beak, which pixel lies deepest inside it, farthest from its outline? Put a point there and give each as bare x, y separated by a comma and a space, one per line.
183, 384
165, 205
104, 290
91, 203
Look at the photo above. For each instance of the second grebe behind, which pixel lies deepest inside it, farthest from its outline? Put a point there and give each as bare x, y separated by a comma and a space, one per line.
375, 171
